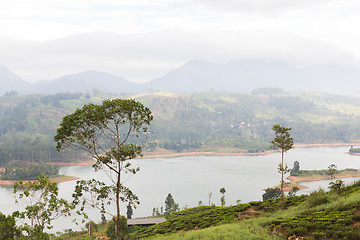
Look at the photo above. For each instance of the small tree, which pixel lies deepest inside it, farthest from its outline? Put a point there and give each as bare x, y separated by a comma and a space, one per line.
271, 193
284, 142
129, 211
332, 169
222, 199
337, 186
296, 169
210, 195
103, 132
170, 205
91, 227
44, 207
293, 191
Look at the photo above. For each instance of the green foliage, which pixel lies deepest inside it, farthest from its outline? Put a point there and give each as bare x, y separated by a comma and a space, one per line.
321, 172
29, 172
170, 205
282, 139
103, 131
319, 197
284, 142
44, 205
91, 227
222, 199
354, 150
327, 224
337, 186
198, 217
123, 229
8, 229
96, 194
296, 169
271, 193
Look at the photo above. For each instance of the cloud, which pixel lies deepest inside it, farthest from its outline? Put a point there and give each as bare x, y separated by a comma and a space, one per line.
256, 6
142, 57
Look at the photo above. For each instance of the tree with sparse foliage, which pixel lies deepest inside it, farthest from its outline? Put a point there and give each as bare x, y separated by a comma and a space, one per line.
104, 132
284, 142
332, 169
44, 205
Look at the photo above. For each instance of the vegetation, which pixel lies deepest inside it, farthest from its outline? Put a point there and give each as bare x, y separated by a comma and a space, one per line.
321, 172
354, 150
199, 122
103, 131
44, 206
28, 171
284, 142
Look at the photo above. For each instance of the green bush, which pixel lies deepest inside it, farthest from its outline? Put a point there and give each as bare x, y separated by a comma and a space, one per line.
319, 197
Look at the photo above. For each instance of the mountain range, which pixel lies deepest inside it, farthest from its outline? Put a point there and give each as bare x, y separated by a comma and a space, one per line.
201, 76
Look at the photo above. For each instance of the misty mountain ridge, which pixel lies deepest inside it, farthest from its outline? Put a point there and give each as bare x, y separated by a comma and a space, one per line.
201, 76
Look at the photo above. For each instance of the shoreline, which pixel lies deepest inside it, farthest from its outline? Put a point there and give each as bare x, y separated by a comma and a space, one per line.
180, 154
167, 154
171, 154
318, 177
56, 179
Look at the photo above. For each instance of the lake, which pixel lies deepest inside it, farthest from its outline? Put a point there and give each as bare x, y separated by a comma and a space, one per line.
190, 179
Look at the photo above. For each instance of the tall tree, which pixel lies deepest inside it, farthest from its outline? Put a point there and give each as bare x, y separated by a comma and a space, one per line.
284, 142
103, 132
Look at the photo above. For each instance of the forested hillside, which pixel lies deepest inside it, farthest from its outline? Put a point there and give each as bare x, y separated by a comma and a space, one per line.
203, 122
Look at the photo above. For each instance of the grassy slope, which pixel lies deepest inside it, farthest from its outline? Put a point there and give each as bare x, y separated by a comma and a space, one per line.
319, 216
322, 215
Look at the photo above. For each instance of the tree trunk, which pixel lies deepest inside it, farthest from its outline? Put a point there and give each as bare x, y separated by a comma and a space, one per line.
117, 220
282, 179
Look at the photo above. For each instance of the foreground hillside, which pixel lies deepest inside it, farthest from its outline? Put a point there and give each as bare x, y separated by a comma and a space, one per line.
321, 215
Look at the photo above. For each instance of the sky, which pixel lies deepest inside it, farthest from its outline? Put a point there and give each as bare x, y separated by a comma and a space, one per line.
144, 39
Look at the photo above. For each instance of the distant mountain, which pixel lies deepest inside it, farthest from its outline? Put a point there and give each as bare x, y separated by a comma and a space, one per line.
9, 81
246, 75
86, 82
201, 76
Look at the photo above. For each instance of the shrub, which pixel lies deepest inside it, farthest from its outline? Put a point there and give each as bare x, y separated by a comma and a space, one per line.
319, 197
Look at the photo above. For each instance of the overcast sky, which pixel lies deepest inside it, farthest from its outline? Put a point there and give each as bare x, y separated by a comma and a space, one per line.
144, 39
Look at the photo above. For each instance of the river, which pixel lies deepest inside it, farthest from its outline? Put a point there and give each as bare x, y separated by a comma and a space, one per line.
190, 179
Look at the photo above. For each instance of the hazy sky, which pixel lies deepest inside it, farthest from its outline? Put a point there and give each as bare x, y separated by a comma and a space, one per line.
144, 39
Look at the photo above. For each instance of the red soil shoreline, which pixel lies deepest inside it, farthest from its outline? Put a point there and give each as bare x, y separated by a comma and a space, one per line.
11, 183
317, 177
169, 154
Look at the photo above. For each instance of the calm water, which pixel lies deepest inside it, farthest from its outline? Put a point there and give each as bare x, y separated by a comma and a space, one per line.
190, 179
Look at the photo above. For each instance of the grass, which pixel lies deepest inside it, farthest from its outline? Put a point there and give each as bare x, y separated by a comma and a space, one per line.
321, 215
250, 230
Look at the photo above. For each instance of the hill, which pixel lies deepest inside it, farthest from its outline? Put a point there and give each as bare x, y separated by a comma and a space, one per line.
198, 76
9, 81
206, 122
320, 215
247, 75
86, 82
